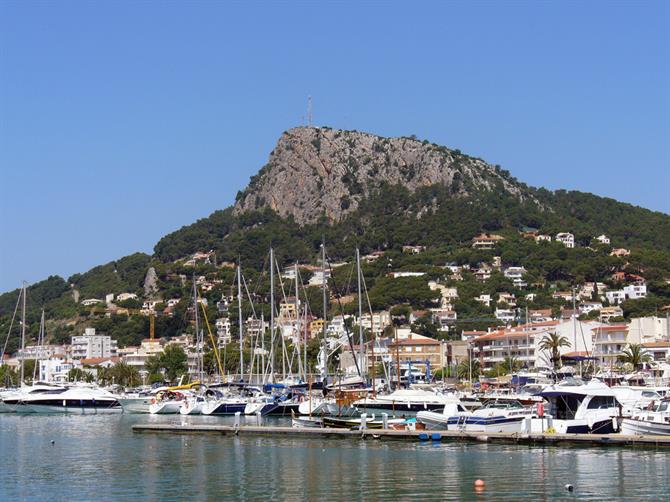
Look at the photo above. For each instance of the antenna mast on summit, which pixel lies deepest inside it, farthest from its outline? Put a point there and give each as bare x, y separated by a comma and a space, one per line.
309, 111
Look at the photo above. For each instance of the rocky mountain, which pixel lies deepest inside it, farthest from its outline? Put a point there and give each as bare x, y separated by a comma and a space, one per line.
314, 172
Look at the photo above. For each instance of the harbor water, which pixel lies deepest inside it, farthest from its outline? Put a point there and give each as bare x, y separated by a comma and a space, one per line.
53, 457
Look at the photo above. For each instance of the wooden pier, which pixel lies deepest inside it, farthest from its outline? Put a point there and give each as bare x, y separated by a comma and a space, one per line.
419, 435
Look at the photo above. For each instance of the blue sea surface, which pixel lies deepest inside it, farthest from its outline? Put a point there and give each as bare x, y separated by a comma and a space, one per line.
100, 458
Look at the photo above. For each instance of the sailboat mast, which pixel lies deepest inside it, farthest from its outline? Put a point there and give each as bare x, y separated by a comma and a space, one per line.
360, 313
297, 315
198, 341
23, 331
325, 310
272, 316
40, 343
239, 313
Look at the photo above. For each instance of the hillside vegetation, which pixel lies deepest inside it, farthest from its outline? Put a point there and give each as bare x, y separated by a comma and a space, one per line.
377, 194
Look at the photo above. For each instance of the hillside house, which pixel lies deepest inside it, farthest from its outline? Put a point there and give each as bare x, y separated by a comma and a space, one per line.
485, 299
507, 298
608, 313
486, 241
566, 238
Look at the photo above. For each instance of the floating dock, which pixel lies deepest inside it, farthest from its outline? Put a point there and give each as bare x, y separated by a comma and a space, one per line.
418, 435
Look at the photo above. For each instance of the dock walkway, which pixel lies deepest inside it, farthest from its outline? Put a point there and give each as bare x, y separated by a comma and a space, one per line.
420, 435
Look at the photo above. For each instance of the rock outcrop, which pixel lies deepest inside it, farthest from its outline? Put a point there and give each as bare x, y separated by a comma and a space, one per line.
316, 172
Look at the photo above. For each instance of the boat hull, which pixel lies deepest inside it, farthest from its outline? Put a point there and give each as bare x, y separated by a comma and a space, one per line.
224, 408
79, 407
165, 408
636, 427
135, 404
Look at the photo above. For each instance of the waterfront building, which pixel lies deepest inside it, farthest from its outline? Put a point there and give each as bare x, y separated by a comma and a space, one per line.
91, 345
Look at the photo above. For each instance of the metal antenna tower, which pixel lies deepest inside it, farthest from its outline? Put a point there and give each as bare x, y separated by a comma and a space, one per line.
309, 111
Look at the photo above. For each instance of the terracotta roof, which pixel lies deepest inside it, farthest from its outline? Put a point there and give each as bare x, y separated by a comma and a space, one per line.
488, 237
576, 354
98, 360
621, 327
656, 344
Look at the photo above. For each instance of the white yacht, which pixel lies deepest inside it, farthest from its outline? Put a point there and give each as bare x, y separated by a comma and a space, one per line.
55, 399
441, 421
578, 407
509, 416
654, 421
404, 402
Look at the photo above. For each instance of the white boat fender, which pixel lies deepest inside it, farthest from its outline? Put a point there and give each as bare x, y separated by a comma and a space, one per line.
615, 424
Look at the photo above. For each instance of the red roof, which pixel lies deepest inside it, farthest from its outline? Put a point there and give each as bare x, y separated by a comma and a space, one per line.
621, 327
656, 344
93, 361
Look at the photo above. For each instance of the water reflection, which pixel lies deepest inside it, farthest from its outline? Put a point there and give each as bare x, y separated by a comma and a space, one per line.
100, 458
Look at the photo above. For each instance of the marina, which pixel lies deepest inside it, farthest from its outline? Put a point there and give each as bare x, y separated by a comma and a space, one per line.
104, 457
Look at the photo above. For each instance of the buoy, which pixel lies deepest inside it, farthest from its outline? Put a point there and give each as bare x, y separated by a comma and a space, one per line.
569, 487
480, 484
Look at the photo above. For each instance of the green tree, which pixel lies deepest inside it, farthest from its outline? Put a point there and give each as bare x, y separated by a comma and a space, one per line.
553, 342
510, 365
172, 362
8, 376
121, 374
79, 375
635, 355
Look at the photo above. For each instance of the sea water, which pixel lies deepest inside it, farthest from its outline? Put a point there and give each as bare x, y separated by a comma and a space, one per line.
53, 457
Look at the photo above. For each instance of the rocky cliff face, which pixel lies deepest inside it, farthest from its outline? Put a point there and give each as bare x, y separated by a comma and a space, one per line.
315, 172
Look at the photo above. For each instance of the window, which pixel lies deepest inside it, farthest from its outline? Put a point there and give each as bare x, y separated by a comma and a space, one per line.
602, 402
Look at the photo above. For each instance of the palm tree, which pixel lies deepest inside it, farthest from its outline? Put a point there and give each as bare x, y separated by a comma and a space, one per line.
635, 355
464, 368
553, 343
510, 364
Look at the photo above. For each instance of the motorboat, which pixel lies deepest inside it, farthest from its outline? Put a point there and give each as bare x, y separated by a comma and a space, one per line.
368, 422
299, 422
653, 421
451, 415
508, 416
9, 397
57, 399
404, 402
576, 407
634, 398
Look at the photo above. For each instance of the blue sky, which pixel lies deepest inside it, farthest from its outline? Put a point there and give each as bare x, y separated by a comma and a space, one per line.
122, 121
